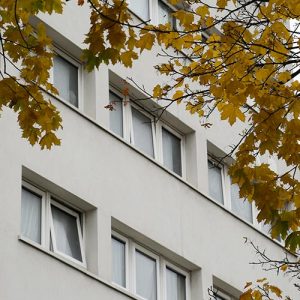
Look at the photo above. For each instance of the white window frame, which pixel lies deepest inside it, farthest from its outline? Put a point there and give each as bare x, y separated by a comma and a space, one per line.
159, 127
223, 180
47, 227
135, 248
31, 188
79, 229
172, 8
125, 240
166, 264
151, 8
153, 129
76, 63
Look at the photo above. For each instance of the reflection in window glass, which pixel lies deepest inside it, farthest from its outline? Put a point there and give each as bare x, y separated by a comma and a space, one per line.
176, 289
66, 80
146, 280
171, 151
31, 206
116, 115
118, 262
140, 8
215, 182
240, 206
66, 233
142, 132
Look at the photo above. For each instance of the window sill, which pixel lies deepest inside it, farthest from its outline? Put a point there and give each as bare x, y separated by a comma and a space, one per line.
79, 268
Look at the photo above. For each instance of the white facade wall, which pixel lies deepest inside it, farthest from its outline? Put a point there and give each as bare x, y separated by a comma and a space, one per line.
118, 187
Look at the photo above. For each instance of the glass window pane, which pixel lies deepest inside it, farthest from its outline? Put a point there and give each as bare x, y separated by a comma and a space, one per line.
164, 14
66, 80
116, 115
171, 151
118, 262
142, 132
146, 276
176, 289
240, 206
215, 182
31, 212
66, 233
140, 8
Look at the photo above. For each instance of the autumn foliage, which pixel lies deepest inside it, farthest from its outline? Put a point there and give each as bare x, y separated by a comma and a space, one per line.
239, 57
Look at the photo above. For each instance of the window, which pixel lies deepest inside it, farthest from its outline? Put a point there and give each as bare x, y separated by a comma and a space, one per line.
147, 271
145, 275
175, 285
241, 207
43, 216
165, 14
215, 174
171, 145
66, 78
142, 132
220, 295
116, 114
140, 128
31, 215
119, 265
140, 8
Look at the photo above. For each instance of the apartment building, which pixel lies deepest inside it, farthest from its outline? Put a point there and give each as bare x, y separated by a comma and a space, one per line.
132, 205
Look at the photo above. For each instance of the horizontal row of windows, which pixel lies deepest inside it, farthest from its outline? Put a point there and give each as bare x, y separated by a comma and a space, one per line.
50, 222
151, 136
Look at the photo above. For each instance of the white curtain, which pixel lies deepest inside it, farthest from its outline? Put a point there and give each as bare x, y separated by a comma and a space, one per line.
66, 80
240, 206
142, 132
171, 151
146, 276
116, 115
215, 182
31, 206
66, 233
176, 289
118, 262
140, 8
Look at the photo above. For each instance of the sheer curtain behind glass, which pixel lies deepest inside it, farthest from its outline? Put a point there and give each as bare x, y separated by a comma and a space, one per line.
142, 132
31, 206
140, 8
118, 262
240, 206
171, 151
66, 80
146, 281
215, 182
66, 233
176, 289
116, 115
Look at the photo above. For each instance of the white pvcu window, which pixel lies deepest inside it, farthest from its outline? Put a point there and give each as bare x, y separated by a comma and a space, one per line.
66, 78
116, 114
176, 285
172, 153
145, 275
240, 206
142, 132
31, 215
51, 224
220, 295
165, 14
140, 8
215, 181
151, 275
119, 264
